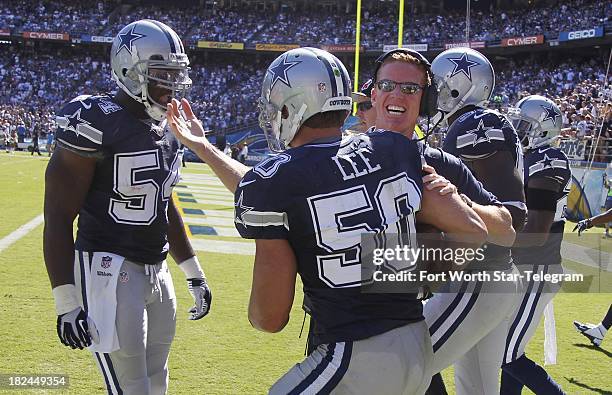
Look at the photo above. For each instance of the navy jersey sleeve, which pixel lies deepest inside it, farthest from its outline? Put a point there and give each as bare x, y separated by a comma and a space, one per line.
455, 171
479, 134
260, 207
80, 124
550, 163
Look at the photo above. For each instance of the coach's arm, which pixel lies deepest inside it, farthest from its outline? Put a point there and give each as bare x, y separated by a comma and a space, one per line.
452, 215
190, 133
273, 287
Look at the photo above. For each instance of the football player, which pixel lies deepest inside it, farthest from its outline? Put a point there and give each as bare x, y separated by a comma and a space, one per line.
115, 167
469, 328
537, 247
307, 209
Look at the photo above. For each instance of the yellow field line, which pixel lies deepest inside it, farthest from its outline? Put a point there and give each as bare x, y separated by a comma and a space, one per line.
175, 199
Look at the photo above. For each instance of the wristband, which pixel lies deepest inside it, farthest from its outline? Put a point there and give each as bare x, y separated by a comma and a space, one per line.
191, 268
65, 298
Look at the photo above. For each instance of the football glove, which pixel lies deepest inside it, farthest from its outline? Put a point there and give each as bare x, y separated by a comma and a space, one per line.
202, 297
583, 225
76, 330
198, 288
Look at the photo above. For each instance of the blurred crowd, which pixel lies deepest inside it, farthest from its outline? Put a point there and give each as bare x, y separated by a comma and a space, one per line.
35, 82
251, 24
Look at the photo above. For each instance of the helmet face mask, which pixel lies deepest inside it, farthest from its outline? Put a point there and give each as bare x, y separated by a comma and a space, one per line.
537, 121
463, 77
269, 121
148, 62
299, 84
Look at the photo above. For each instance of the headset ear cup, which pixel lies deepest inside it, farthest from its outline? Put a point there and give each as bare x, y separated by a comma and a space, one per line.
432, 101
429, 102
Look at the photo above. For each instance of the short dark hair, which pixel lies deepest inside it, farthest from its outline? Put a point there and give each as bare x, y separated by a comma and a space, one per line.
406, 58
327, 119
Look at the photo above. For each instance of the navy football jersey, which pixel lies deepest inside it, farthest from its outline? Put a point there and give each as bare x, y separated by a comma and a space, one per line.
322, 197
125, 210
550, 163
478, 134
451, 168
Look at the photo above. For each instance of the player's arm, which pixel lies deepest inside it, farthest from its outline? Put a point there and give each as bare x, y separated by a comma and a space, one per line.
180, 247
602, 218
67, 180
273, 287
190, 133
182, 252
541, 204
499, 176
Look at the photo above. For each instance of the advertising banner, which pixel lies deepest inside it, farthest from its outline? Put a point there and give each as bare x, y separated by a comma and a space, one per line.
96, 39
574, 149
471, 44
47, 36
340, 48
414, 47
582, 34
275, 47
517, 41
220, 45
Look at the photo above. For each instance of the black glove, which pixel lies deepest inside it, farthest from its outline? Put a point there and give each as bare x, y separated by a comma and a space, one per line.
76, 330
202, 297
583, 225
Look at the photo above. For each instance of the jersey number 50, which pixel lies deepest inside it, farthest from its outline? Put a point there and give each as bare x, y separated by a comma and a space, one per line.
341, 217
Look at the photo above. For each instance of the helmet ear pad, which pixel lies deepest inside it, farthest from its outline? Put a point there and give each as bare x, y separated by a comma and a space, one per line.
429, 99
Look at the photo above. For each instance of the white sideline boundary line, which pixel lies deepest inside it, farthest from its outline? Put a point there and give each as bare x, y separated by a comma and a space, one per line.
20, 232
224, 247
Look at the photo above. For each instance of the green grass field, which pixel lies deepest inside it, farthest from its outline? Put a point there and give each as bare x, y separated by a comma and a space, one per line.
220, 354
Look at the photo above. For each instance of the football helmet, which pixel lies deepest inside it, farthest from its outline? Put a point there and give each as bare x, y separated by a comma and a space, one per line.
463, 77
149, 54
537, 121
298, 84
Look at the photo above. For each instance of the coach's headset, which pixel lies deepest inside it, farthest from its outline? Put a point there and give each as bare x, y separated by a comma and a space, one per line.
429, 99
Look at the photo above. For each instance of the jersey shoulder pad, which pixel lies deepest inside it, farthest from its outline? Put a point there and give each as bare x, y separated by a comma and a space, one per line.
81, 122
548, 162
479, 134
260, 201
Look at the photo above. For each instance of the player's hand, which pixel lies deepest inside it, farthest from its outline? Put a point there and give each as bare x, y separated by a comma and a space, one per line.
434, 181
76, 330
202, 297
583, 225
184, 124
